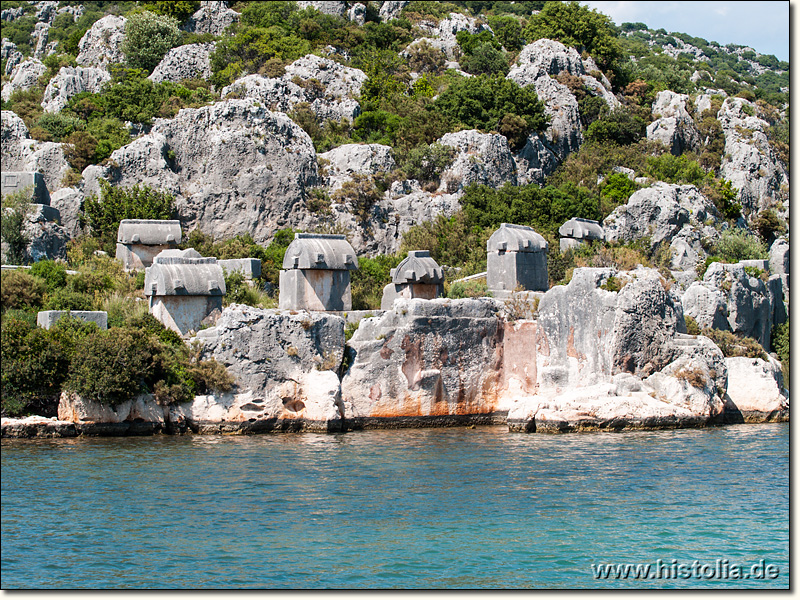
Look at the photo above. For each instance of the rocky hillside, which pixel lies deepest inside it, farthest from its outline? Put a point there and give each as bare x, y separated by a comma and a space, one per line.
405, 125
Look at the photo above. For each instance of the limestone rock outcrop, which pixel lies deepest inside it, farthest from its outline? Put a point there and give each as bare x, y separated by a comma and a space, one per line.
434, 360
756, 389
212, 17
344, 161
102, 44
284, 365
10, 54
334, 8
15, 141
327, 86
675, 127
666, 213
749, 161
442, 35
729, 298
236, 167
391, 9
24, 76
535, 65
184, 62
70, 82
482, 158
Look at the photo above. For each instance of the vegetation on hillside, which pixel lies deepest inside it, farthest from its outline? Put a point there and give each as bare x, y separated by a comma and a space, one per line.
409, 101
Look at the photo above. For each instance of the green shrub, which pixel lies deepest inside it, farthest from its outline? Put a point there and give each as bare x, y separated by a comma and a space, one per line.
111, 367
780, 344
485, 59
426, 162
368, 281
619, 126
578, 26
33, 369
615, 191
733, 344
723, 195
475, 288
481, 103
181, 10
138, 202
59, 125
692, 328
20, 289
148, 37
736, 244
769, 225
15, 209
675, 169
53, 273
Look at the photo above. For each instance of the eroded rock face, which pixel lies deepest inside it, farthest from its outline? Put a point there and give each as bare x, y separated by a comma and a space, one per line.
284, 365
70, 82
749, 161
391, 9
24, 76
483, 158
328, 87
184, 62
10, 54
443, 34
730, 299
101, 45
427, 360
15, 142
756, 389
335, 8
675, 127
212, 17
666, 213
237, 168
68, 201
350, 159
48, 159
536, 63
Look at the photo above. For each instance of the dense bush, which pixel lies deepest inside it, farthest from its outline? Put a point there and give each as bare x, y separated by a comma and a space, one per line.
368, 281
481, 103
618, 126
36, 362
736, 244
732, 344
780, 344
15, 209
675, 169
148, 37
20, 289
103, 214
579, 26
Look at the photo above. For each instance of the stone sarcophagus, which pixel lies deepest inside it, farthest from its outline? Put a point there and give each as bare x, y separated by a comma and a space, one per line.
516, 259
577, 231
417, 276
183, 289
140, 240
316, 273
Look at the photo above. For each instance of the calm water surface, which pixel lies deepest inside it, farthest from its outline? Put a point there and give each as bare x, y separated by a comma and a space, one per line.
409, 508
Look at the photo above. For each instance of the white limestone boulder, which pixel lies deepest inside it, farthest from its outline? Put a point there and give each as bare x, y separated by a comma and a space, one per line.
102, 44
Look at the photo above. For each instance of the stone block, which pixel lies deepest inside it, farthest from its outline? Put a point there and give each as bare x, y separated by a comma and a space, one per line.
17, 181
249, 267
47, 318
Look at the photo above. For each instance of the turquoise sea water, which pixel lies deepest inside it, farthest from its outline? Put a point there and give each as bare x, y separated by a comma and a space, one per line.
433, 508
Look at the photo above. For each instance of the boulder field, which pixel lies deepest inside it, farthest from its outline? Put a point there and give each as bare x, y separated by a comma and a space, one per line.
589, 359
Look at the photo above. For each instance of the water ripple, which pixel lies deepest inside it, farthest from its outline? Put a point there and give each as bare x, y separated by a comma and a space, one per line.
465, 508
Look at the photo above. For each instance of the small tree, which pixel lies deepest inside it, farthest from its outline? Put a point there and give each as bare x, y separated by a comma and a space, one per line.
12, 226
148, 37
138, 202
